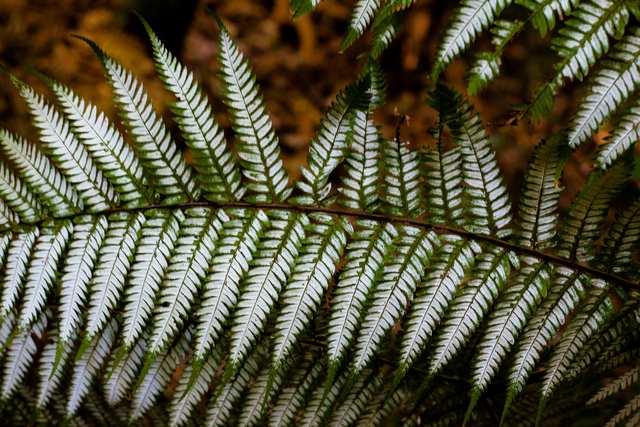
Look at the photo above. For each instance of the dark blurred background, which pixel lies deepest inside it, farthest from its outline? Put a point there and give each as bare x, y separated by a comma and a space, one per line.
296, 62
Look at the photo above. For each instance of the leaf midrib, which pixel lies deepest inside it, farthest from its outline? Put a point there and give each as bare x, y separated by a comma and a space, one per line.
394, 219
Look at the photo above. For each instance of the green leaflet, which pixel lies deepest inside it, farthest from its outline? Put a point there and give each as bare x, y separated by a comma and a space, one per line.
610, 87
227, 393
79, 264
471, 18
114, 260
546, 13
434, 294
216, 167
158, 235
303, 293
329, 147
470, 304
106, 146
582, 40
40, 276
269, 273
20, 353
363, 13
18, 256
190, 260
258, 146
39, 173
292, 397
165, 166
565, 294
506, 322
238, 242
401, 190
87, 365
389, 300
365, 256
66, 152
486, 67
156, 378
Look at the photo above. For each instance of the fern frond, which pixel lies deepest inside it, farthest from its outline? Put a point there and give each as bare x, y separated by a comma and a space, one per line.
443, 175
217, 171
225, 398
486, 67
565, 293
43, 266
329, 147
258, 145
88, 365
538, 212
379, 409
7, 216
41, 176
186, 398
625, 134
79, 264
363, 14
489, 208
433, 296
265, 386
122, 370
581, 227
354, 404
50, 373
20, 353
66, 152
15, 270
320, 403
620, 325
322, 248
632, 407
268, 274
400, 276
18, 197
470, 19
158, 376
611, 86
507, 320
105, 144
623, 382
238, 243
114, 261
470, 305
294, 307
545, 14
292, 397
359, 188
385, 28
623, 236
582, 40
164, 165
364, 259
401, 194
588, 320
153, 250
188, 265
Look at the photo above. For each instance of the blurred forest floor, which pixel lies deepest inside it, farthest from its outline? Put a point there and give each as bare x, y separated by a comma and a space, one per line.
296, 61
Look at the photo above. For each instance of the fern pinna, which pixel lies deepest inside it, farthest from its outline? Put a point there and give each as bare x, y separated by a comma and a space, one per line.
596, 41
388, 285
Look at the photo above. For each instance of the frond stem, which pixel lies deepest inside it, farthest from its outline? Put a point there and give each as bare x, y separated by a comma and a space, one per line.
413, 221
